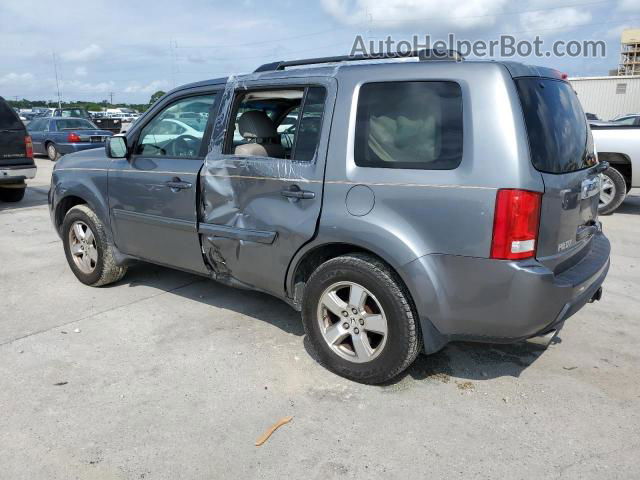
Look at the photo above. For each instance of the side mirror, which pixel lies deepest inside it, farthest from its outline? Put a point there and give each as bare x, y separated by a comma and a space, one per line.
116, 147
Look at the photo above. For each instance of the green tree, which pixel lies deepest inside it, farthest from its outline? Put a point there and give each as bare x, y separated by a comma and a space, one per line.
156, 96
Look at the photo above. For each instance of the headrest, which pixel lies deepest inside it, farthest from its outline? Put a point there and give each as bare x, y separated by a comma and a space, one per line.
256, 124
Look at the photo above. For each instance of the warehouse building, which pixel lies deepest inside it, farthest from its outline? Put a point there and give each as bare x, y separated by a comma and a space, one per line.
618, 94
608, 97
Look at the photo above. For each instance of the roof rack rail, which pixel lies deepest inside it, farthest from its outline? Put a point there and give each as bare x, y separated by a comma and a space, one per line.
422, 55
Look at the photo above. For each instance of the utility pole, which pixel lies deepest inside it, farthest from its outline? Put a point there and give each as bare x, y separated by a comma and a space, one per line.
111, 97
55, 69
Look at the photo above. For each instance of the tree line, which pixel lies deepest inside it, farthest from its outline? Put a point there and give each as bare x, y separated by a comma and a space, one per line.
91, 106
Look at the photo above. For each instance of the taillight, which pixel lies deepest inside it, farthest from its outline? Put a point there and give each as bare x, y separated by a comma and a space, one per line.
73, 138
515, 224
28, 147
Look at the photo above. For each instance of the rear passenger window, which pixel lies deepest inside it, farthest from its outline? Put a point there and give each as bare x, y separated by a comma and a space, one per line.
412, 125
310, 124
268, 123
9, 120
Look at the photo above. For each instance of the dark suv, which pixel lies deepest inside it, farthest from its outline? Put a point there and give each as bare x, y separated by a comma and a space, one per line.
397, 205
16, 155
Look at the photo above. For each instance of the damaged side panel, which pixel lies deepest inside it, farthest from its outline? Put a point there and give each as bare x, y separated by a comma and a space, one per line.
256, 211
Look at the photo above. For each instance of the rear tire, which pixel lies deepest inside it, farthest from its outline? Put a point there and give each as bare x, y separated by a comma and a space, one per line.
344, 332
52, 152
12, 194
613, 191
91, 258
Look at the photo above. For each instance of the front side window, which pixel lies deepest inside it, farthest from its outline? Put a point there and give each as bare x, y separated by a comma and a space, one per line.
177, 130
283, 123
410, 125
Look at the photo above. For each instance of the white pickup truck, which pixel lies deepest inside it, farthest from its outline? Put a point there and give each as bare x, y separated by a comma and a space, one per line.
620, 146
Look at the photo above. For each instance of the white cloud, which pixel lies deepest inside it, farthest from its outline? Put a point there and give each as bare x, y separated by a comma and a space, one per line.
404, 13
629, 5
13, 78
555, 19
87, 87
150, 87
80, 71
91, 52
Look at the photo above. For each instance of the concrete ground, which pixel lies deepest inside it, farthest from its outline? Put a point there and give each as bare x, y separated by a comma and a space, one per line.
166, 375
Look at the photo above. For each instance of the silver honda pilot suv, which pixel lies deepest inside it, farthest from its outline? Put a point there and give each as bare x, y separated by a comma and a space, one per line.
399, 205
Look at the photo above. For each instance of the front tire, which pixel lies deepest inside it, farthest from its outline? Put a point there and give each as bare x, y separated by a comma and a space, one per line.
12, 194
360, 320
613, 191
88, 253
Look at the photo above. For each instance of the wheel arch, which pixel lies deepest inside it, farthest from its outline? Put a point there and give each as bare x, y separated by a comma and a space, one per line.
66, 199
64, 205
311, 258
621, 162
307, 260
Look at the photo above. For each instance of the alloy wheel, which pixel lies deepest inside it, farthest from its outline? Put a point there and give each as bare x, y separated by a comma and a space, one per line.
82, 243
352, 322
607, 191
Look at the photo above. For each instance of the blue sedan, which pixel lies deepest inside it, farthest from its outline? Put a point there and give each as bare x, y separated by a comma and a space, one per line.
56, 136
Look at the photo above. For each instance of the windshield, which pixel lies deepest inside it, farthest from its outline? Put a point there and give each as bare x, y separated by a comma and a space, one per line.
73, 112
74, 124
556, 125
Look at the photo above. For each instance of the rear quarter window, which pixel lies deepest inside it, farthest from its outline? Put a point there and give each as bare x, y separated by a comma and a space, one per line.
556, 125
9, 119
410, 125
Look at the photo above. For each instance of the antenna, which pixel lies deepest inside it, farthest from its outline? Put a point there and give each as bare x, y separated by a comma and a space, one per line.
55, 70
172, 53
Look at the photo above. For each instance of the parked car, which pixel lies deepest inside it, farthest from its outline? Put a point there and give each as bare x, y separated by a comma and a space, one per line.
619, 145
618, 117
113, 125
402, 216
630, 120
28, 116
71, 112
16, 155
57, 136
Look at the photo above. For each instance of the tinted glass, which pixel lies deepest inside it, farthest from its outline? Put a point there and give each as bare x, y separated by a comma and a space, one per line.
414, 125
74, 124
556, 125
177, 130
310, 124
9, 119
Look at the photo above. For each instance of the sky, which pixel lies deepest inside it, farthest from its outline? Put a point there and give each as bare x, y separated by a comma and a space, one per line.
134, 48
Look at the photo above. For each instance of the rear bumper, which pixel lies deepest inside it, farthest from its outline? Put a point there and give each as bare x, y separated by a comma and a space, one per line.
464, 298
17, 173
65, 148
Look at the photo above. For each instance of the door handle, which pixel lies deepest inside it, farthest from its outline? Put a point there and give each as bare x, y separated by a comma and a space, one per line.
294, 192
176, 184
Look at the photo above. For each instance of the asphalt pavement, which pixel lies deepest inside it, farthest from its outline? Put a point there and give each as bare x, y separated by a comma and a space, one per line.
167, 375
